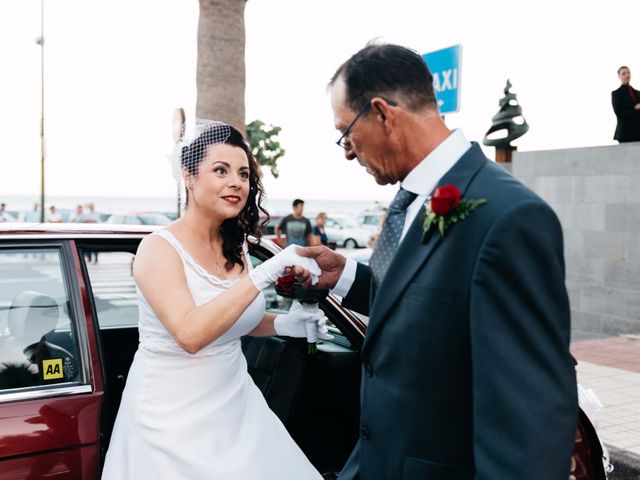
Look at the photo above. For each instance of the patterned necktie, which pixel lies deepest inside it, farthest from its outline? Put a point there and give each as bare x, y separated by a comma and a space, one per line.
387, 244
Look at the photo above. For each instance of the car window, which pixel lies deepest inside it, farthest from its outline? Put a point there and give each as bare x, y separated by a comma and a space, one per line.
114, 291
38, 345
371, 220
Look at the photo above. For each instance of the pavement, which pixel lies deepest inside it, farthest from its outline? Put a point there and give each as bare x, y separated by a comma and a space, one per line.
610, 368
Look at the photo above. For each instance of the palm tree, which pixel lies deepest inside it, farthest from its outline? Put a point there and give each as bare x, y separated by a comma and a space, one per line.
221, 68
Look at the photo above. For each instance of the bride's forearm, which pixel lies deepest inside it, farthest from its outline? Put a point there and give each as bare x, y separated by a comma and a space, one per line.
206, 323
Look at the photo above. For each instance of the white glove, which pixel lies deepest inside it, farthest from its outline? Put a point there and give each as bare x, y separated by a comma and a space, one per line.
268, 272
303, 321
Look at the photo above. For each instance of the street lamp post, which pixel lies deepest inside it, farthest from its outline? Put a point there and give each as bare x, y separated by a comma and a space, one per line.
40, 41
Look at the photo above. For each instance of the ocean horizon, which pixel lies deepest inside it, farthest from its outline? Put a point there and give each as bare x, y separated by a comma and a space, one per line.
275, 206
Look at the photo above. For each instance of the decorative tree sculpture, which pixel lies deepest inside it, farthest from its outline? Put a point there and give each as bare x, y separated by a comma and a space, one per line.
506, 125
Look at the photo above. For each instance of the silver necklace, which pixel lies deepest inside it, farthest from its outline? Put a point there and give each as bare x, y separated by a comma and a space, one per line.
218, 269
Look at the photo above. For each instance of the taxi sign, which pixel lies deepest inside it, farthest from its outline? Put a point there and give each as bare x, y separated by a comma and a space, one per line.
444, 65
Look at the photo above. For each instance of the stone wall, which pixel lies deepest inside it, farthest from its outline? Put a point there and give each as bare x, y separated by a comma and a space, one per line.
596, 194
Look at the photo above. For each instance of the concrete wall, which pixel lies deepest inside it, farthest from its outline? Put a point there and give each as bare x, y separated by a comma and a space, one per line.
596, 194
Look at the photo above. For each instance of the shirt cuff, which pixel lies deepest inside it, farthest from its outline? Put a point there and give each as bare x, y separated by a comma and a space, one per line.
346, 279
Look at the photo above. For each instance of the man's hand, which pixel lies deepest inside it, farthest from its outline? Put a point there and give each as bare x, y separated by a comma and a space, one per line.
330, 262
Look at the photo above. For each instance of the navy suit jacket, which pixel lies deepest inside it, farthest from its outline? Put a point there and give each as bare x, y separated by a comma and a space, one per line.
466, 365
628, 126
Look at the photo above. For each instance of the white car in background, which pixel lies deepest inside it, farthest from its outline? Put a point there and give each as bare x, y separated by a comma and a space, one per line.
345, 231
371, 220
139, 218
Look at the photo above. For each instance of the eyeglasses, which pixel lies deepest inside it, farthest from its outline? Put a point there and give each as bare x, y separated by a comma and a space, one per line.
343, 140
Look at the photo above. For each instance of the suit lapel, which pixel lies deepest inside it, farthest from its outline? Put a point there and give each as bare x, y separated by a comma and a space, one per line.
412, 253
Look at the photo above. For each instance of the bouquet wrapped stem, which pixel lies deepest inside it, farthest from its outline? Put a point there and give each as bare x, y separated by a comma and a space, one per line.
312, 332
288, 287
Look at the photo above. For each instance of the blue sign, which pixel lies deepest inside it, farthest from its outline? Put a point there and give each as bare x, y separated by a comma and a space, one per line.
444, 65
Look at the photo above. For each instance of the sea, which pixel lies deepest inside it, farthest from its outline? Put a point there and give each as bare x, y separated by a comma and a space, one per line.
110, 205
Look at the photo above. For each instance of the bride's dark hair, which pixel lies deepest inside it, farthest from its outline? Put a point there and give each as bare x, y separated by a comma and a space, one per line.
232, 230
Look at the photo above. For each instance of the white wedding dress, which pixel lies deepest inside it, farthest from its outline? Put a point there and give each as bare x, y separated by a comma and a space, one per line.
200, 416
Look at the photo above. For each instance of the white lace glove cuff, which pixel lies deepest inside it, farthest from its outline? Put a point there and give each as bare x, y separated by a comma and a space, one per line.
303, 321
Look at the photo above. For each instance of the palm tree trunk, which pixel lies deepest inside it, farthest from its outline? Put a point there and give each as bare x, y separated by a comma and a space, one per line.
221, 63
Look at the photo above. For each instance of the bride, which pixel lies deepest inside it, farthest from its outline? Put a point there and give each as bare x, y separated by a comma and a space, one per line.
190, 409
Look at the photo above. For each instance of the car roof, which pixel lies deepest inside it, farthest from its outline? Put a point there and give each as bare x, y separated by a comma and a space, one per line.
11, 229
17, 230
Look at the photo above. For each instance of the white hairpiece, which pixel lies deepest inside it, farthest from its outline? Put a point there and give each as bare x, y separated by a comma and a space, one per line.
191, 150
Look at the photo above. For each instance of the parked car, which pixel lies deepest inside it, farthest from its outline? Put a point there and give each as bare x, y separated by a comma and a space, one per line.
270, 227
139, 218
172, 215
345, 231
371, 220
8, 216
68, 333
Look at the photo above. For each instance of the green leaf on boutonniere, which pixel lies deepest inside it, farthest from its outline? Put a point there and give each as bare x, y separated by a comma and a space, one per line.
442, 222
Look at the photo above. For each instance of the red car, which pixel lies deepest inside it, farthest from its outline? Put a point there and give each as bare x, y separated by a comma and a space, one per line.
68, 333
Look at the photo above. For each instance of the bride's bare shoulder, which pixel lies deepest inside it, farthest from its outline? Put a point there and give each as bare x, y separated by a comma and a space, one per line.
156, 252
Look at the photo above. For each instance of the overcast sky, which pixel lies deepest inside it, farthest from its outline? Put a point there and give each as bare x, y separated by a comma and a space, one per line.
115, 72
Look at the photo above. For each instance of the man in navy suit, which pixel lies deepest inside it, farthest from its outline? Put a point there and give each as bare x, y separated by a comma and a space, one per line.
466, 366
626, 105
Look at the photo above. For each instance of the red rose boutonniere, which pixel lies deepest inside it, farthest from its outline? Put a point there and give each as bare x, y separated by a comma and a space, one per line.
445, 208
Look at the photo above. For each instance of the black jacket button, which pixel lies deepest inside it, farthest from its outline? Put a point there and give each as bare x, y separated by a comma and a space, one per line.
364, 432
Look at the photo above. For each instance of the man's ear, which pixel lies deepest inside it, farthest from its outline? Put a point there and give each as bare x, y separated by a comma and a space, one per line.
385, 113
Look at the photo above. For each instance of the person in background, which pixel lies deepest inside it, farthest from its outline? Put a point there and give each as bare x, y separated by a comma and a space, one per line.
76, 216
53, 216
4, 216
625, 101
33, 215
296, 227
89, 214
319, 235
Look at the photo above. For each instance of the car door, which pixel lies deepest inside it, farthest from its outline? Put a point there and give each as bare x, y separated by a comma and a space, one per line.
49, 405
113, 314
315, 395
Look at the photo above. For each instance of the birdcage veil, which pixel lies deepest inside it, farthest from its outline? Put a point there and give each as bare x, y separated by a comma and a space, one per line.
191, 150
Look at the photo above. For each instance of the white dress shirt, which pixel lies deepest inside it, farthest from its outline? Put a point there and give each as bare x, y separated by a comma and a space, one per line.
421, 181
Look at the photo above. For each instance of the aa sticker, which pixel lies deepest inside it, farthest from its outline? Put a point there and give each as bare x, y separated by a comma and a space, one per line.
52, 369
